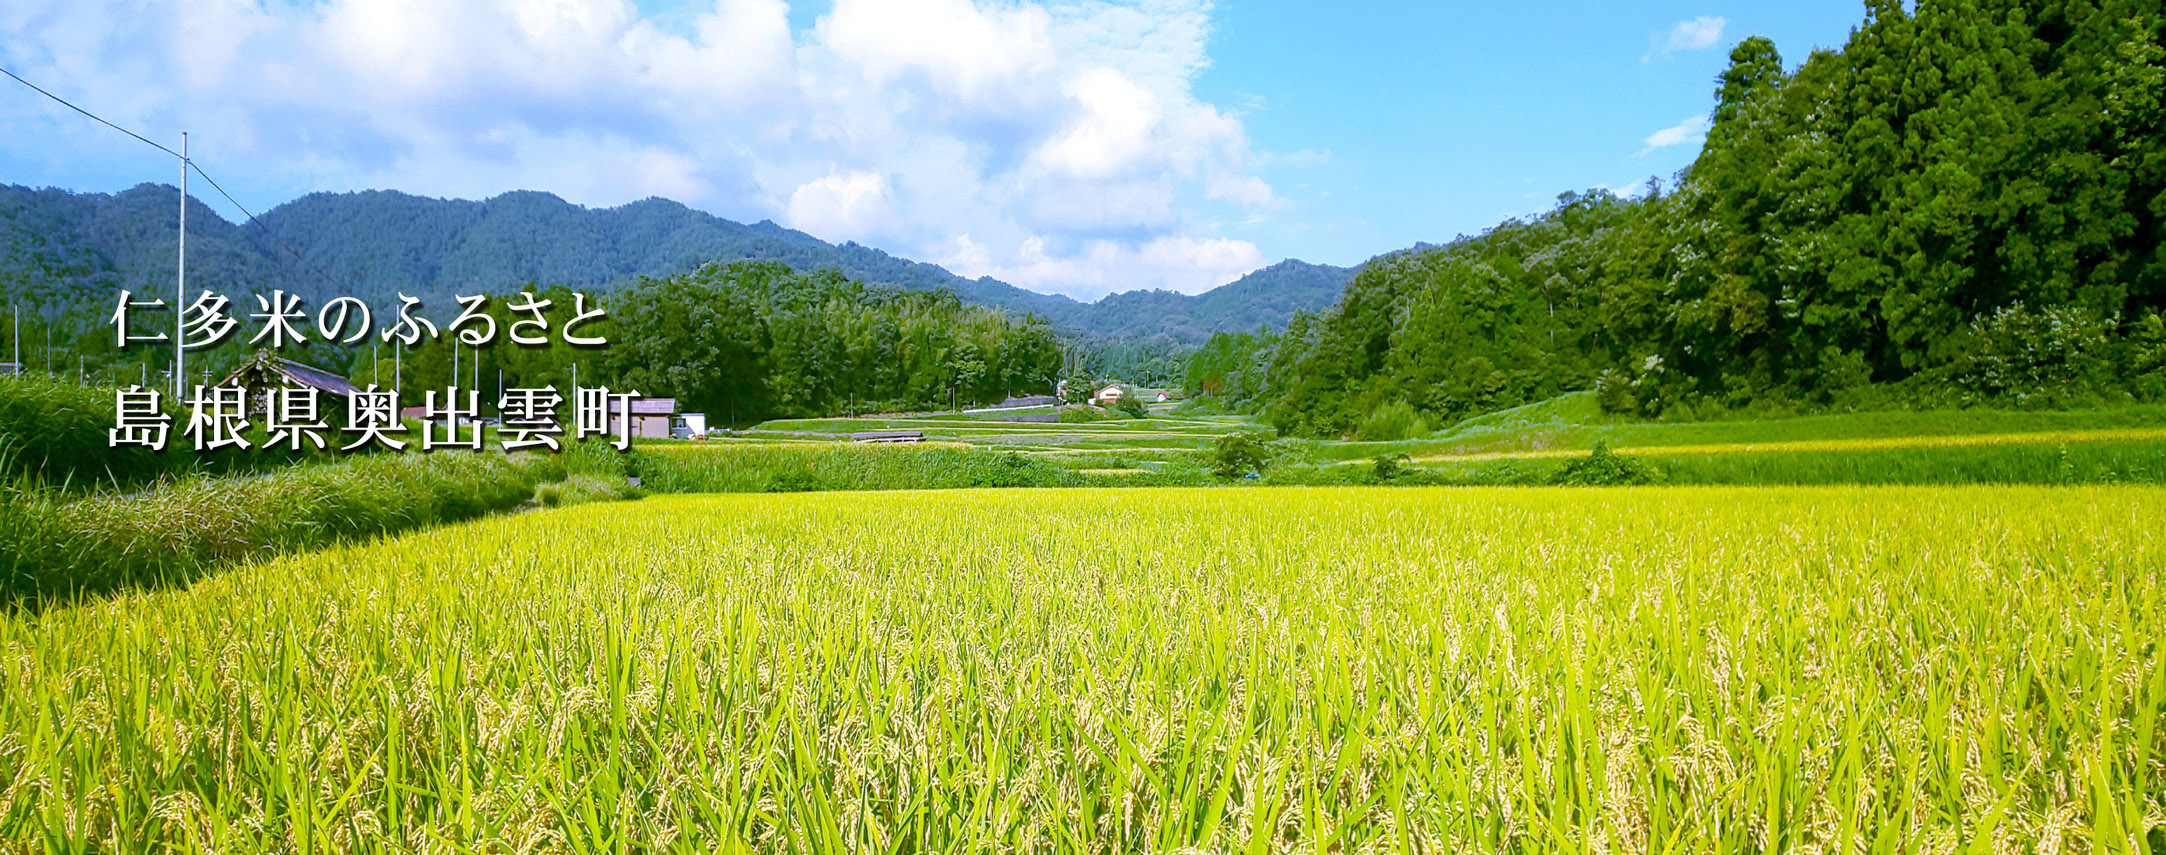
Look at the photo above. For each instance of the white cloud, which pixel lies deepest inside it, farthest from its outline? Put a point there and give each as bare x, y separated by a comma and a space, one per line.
847, 206
1243, 189
1691, 130
1697, 34
958, 47
1060, 139
1111, 134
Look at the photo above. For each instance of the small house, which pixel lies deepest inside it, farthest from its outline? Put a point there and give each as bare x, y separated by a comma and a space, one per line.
652, 418
1109, 396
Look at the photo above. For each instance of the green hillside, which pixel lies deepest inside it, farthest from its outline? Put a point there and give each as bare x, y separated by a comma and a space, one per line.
1963, 205
59, 248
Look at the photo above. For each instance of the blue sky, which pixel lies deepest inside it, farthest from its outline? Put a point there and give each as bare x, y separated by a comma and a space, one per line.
1070, 146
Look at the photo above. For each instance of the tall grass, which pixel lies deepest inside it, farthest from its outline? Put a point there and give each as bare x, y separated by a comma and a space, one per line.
1848, 670
53, 545
52, 432
804, 467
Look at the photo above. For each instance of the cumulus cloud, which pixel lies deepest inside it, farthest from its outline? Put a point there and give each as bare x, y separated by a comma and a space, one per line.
841, 205
1691, 130
1055, 144
1697, 34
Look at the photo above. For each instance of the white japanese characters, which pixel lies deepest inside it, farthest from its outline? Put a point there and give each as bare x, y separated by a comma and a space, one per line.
297, 417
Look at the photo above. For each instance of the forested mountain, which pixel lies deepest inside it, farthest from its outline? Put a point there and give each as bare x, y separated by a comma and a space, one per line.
1964, 204
57, 246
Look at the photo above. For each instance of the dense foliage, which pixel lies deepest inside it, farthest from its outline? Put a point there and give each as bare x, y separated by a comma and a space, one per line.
1965, 204
747, 341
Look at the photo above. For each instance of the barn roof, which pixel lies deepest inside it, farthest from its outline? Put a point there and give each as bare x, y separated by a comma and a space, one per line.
292, 372
647, 406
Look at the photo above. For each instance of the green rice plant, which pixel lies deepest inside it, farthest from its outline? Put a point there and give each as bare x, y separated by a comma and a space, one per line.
1855, 670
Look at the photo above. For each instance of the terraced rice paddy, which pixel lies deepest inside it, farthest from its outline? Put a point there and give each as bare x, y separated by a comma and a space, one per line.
1840, 445
1265, 670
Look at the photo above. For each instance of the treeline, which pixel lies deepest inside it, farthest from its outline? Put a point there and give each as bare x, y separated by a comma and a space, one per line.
741, 341
751, 340
1963, 205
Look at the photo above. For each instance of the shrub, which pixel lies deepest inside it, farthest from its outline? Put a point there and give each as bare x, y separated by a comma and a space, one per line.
1237, 456
1393, 422
1133, 408
1008, 470
1388, 467
1603, 468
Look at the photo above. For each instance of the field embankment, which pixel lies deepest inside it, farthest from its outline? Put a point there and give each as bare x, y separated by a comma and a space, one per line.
1850, 669
1530, 445
56, 544
794, 467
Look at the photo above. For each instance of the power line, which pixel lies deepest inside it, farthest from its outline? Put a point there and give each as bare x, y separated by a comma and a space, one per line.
93, 116
297, 256
190, 164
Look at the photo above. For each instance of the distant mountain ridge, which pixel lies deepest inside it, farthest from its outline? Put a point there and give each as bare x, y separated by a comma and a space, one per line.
57, 244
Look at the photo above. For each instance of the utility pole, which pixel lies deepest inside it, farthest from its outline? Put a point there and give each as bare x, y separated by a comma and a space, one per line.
180, 280
15, 315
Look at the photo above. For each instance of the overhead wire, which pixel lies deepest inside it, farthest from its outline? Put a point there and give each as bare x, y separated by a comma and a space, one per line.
188, 163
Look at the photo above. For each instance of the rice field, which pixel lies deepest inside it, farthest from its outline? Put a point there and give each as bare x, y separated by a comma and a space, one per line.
1831, 670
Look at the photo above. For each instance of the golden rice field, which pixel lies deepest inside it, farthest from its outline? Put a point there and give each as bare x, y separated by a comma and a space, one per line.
1265, 670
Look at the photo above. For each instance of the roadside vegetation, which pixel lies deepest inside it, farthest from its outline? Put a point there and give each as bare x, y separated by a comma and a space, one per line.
77, 518
54, 545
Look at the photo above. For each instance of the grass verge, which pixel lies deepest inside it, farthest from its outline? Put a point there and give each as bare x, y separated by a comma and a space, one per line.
57, 546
